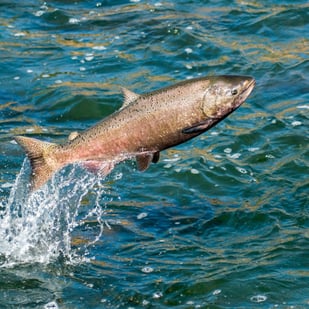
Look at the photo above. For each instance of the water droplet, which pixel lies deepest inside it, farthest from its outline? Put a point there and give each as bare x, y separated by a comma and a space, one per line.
269, 156
147, 270
234, 155
296, 123
39, 13
51, 305
241, 170
253, 149
74, 21
89, 57
20, 34
303, 106
214, 133
194, 171
99, 47
258, 298
157, 295
142, 215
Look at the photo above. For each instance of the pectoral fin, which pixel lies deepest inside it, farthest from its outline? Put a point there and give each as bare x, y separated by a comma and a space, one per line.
199, 127
143, 161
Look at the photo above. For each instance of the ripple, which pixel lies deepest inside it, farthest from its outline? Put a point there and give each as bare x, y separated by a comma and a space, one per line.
221, 220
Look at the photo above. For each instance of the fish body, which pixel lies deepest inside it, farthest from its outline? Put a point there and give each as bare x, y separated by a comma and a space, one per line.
144, 126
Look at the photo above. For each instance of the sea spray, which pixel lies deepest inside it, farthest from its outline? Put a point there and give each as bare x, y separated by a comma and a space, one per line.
39, 227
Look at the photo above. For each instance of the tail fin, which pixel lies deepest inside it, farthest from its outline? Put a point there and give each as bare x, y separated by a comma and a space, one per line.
40, 155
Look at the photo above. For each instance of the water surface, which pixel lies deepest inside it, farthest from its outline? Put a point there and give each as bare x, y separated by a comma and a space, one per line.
219, 222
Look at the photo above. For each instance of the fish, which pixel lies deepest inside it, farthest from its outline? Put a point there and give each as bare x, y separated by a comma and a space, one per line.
145, 125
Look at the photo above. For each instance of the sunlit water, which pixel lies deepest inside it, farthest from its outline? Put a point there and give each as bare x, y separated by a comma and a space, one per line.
219, 222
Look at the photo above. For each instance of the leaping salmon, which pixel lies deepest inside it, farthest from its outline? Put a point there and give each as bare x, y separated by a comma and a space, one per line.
145, 125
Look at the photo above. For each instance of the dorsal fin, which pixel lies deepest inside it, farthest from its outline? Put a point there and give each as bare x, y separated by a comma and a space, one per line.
129, 96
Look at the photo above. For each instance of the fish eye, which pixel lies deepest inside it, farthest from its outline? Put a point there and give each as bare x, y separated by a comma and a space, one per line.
234, 91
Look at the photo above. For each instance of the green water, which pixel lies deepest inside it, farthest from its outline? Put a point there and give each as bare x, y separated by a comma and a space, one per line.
219, 222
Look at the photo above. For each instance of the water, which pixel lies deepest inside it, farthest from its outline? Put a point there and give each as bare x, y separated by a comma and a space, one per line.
219, 222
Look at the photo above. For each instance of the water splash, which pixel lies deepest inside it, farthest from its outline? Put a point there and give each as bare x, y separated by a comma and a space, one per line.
38, 227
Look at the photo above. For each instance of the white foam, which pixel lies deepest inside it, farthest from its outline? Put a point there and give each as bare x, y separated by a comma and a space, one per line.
37, 227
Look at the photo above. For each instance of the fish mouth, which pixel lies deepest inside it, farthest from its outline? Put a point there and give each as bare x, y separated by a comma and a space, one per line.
245, 93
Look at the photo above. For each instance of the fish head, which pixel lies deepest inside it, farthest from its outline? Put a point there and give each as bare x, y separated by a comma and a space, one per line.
224, 94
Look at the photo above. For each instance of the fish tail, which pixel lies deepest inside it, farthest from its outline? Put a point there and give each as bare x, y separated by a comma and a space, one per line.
40, 154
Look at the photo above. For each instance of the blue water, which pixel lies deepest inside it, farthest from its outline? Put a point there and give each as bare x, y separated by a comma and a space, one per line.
219, 222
